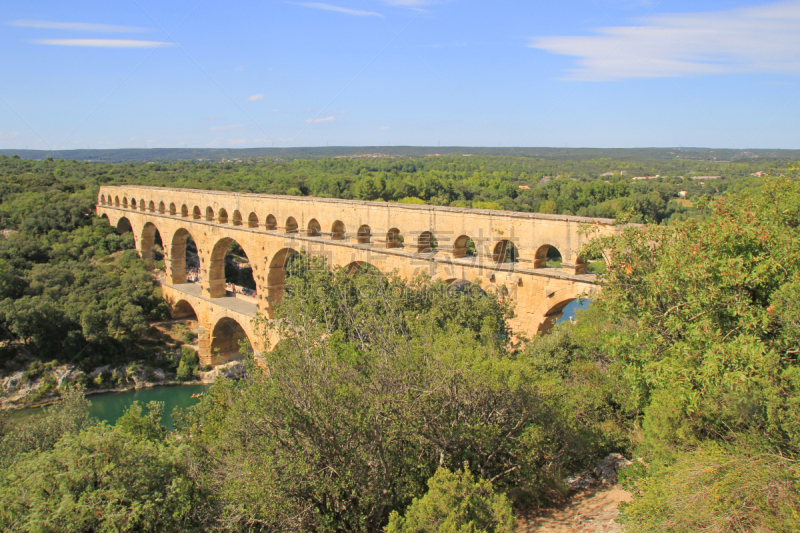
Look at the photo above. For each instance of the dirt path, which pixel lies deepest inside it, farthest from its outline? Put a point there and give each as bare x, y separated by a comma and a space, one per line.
589, 511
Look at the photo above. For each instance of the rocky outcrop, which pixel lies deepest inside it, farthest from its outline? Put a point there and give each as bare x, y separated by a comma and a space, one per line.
604, 473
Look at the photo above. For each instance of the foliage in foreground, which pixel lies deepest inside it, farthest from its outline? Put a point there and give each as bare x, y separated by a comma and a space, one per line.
455, 503
719, 488
374, 387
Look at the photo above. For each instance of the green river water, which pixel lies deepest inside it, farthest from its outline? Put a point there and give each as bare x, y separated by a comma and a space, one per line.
109, 406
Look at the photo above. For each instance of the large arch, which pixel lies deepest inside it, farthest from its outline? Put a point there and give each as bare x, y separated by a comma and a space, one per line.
553, 314
124, 225
150, 245
183, 309
362, 267
179, 264
276, 278
225, 339
217, 273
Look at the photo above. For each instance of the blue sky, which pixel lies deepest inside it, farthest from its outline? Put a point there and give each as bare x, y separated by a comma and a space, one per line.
205, 73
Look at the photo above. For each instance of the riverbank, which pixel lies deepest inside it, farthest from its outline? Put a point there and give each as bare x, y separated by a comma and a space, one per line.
21, 391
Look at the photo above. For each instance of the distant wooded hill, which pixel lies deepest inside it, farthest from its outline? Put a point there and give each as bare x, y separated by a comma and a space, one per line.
219, 154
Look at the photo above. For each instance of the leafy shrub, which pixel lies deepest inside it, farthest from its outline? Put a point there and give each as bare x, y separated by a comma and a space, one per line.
718, 488
455, 503
188, 366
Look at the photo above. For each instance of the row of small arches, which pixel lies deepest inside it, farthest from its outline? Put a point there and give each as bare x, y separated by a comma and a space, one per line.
503, 251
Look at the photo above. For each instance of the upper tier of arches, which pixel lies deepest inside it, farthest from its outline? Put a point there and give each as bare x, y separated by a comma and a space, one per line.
420, 241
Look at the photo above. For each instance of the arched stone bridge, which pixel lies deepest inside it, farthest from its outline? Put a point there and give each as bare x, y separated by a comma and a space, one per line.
507, 249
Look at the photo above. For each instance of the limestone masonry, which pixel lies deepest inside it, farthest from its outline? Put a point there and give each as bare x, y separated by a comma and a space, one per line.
510, 251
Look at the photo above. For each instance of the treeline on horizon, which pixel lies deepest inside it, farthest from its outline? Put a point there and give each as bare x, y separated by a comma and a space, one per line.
597, 187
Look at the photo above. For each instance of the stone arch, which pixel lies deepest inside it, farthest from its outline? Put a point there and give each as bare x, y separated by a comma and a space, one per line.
216, 268
105, 217
338, 231
184, 210
291, 225
394, 239
151, 237
364, 234
102, 199
162, 208
362, 267
196, 214
552, 315
124, 226
209, 214
222, 216
237, 218
152, 207
545, 253
225, 339
116, 201
172, 209
314, 228
252, 220
426, 242
276, 278
272, 222
142, 205
505, 252
125, 201
183, 309
177, 256
464, 246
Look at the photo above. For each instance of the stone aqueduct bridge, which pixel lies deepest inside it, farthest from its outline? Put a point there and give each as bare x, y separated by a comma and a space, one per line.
349, 233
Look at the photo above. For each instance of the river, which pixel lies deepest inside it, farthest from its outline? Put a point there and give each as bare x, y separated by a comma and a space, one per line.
109, 406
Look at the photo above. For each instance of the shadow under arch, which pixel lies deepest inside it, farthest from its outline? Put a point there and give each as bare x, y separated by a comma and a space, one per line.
338, 231
505, 252
276, 278
362, 267
222, 216
181, 245
196, 214
151, 245
547, 253
314, 228
464, 246
183, 310
237, 218
225, 339
219, 270
272, 223
394, 239
209, 214
291, 225
252, 220
364, 235
552, 315
124, 226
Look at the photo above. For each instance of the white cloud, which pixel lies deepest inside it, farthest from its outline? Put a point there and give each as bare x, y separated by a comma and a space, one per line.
255, 97
385, 127
321, 120
759, 39
132, 139
237, 141
273, 111
239, 69
77, 26
338, 9
227, 127
7, 135
103, 43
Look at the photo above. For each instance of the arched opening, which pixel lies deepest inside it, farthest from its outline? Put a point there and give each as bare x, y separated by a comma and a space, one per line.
104, 216
338, 231
364, 234
102, 199
547, 256
282, 264
563, 311
272, 223
152, 207
252, 221
183, 309
230, 270
116, 201
125, 201
196, 215
162, 208
237, 218
124, 226
222, 216
151, 247
505, 252
463, 287
362, 267
184, 258
426, 242
394, 239
209, 214
291, 225
225, 339
464, 246
173, 210
314, 228
142, 205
